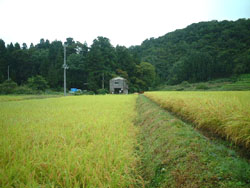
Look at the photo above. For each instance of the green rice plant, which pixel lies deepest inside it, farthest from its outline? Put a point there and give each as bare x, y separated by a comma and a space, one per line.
77, 141
224, 113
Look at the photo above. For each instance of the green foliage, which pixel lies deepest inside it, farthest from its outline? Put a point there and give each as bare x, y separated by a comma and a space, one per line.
24, 90
147, 73
200, 52
234, 83
8, 87
180, 89
78, 92
185, 84
202, 86
102, 91
37, 83
90, 93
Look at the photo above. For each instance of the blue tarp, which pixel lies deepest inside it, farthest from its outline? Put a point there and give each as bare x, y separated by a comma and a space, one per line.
73, 89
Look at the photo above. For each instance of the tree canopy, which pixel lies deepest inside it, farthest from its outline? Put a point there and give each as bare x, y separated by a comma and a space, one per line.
200, 52
87, 65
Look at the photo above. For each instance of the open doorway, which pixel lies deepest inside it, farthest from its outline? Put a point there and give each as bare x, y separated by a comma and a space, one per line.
117, 90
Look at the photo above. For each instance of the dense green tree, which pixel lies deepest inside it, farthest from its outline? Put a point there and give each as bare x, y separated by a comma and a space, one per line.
24, 46
77, 73
3, 61
7, 87
147, 74
101, 63
37, 83
200, 52
71, 46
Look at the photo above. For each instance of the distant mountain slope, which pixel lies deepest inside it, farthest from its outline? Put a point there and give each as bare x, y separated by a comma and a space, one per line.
200, 52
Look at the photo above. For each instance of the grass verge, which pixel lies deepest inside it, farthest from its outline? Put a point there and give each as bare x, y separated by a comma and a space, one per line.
175, 155
223, 113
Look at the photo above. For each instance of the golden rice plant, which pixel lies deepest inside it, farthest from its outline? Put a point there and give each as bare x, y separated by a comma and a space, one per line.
78, 141
224, 113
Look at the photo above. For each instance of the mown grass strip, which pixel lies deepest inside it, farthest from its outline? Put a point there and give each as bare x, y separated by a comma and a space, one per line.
223, 113
173, 154
85, 141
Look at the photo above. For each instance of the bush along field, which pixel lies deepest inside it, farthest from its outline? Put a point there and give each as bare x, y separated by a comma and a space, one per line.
223, 113
234, 83
174, 154
78, 141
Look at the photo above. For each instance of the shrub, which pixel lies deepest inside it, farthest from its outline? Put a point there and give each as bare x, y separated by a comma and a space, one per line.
78, 92
85, 92
7, 87
179, 89
23, 90
185, 84
37, 83
202, 86
102, 91
91, 93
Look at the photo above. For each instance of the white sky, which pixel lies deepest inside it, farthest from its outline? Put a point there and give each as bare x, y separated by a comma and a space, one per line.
124, 22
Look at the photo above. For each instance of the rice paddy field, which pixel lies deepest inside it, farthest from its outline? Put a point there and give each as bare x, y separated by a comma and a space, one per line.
124, 140
224, 113
84, 141
175, 155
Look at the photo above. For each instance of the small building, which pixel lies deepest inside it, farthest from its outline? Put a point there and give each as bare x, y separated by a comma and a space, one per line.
118, 85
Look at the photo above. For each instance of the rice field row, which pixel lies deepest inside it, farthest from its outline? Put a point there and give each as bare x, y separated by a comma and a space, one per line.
85, 141
224, 113
8, 98
175, 155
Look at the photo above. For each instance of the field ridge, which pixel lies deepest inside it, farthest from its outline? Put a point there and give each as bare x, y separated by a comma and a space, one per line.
174, 154
226, 114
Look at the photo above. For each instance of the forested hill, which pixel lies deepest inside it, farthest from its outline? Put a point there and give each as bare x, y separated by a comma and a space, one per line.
200, 52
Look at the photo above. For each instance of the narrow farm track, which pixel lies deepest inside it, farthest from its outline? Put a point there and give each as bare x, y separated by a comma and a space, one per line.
174, 154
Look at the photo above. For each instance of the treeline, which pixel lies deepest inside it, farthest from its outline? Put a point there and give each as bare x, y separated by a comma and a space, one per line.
87, 65
200, 52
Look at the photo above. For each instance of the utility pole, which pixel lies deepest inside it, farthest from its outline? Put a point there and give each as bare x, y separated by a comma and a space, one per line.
8, 72
65, 66
103, 80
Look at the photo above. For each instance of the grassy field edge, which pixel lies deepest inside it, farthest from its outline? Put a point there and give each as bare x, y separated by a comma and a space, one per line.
173, 154
225, 114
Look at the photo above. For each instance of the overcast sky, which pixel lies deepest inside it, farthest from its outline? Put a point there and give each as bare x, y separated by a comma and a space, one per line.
124, 22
